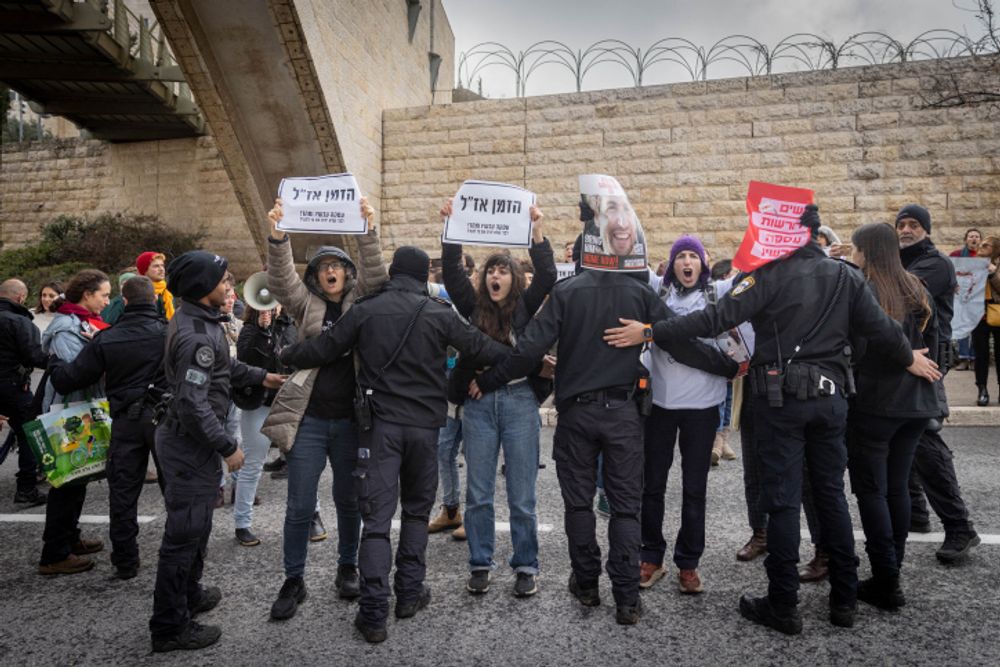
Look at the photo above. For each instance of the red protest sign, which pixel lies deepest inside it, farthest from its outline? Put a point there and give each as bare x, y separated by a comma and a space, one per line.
774, 229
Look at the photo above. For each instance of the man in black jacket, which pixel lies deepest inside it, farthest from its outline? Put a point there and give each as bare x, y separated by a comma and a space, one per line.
803, 309
130, 356
20, 353
401, 335
933, 470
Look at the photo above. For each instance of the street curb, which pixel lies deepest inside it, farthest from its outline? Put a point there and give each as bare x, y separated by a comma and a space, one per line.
960, 416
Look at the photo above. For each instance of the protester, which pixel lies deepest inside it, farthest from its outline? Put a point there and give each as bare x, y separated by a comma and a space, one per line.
888, 414
970, 248
990, 249
129, 356
45, 310
117, 304
20, 353
504, 420
401, 378
78, 318
154, 266
191, 443
311, 418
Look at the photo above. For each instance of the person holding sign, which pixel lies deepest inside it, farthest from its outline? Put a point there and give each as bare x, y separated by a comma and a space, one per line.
507, 418
311, 416
804, 309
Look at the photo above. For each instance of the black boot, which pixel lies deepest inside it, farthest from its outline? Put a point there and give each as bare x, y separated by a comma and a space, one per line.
882, 591
984, 396
348, 582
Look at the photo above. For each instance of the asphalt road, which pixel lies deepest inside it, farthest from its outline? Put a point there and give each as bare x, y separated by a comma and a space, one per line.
952, 616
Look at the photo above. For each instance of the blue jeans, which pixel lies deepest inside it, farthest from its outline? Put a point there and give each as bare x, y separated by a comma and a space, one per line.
255, 446
316, 441
507, 418
726, 410
449, 440
965, 351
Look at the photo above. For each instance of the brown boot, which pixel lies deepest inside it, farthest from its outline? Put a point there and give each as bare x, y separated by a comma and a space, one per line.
717, 449
727, 452
815, 570
459, 534
447, 518
72, 564
755, 546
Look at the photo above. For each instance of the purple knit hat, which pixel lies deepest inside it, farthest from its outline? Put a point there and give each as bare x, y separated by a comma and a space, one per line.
691, 243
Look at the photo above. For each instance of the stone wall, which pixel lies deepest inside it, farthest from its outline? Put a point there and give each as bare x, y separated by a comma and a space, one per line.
860, 137
181, 180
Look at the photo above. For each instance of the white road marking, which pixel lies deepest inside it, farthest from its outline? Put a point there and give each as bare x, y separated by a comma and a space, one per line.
501, 526
84, 518
936, 538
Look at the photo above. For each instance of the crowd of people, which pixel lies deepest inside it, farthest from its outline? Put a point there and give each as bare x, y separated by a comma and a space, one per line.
387, 372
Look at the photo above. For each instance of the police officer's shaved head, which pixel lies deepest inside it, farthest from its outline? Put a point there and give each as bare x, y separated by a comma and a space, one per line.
138, 290
13, 289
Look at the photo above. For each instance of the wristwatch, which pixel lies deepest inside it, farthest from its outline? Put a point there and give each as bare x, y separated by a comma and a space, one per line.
647, 333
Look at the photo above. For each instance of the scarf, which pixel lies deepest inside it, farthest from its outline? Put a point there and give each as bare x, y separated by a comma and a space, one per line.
160, 287
84, 315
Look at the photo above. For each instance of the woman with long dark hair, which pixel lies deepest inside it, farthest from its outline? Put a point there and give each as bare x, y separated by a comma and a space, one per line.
989, 248
888, 414
507, 419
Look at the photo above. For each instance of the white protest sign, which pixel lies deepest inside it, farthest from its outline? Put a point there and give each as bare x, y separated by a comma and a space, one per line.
493, 214
322, 204
970, 295
565, 270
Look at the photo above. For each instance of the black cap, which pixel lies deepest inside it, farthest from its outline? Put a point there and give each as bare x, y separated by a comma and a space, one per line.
410, 261
195, 273
918, 213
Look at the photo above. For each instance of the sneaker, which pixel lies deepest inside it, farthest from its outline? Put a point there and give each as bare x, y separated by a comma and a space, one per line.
842, 616
410, 609
589, 596
292, 594
31, 497
84, 547
210, 598
246, 538
650, 573
274, 466
373, 634
479, 582
689, 582
628, 614
72, 564
317, 531
348, 582
760, 611
459, 534
526, 585
603, 508
280, 473
957, 545
445, 520
194, 636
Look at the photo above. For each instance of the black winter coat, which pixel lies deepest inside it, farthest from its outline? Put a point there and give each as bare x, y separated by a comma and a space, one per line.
937, 272
261, 347
20, 343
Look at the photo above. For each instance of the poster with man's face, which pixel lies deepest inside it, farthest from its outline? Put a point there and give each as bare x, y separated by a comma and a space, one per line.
613, 240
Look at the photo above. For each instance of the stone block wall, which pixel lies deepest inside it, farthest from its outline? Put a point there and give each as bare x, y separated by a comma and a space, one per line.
862, 138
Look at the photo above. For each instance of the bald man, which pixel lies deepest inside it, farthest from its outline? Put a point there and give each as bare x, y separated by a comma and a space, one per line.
20, 352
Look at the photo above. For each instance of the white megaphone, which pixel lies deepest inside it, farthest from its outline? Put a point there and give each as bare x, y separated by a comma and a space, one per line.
256, 294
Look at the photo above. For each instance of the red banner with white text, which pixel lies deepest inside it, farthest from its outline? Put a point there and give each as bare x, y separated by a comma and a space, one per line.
774, 229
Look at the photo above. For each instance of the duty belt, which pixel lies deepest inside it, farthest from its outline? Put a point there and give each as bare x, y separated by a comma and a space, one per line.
803, 381
604, 396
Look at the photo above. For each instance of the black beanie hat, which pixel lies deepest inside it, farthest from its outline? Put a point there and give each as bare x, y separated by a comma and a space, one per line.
918, 213
410, 261
196, 273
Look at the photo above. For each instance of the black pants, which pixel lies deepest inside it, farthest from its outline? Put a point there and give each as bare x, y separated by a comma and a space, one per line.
880, 452
812, 430
934, 474
756, 517
15, 404
189, 497
981, 348
62, 516
697, 434
402, 467
584, 431
132, 442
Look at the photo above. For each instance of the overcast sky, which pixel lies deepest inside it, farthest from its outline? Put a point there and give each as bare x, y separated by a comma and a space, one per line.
579, 23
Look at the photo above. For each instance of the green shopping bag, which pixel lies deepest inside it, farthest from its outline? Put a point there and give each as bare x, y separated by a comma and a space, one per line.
71, 441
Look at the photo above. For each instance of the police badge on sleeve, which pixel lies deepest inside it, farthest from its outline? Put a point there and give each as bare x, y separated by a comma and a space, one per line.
744, 285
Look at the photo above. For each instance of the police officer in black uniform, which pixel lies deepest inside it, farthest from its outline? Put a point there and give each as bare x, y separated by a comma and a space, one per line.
595, 394
191, 443
130, 357
933, 470
803, 309
401, 335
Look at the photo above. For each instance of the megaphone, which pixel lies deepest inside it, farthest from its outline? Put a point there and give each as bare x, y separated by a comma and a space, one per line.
256, 294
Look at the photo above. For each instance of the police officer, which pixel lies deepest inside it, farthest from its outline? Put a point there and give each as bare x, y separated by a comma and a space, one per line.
933, 470
803, 309
20, 353
595, 394
189, 443
130, 357
401, 336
